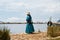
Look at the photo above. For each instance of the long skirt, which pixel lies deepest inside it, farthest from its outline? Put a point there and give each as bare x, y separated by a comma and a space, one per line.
29, 28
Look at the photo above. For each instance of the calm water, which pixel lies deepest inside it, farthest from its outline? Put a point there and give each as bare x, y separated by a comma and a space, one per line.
20, 28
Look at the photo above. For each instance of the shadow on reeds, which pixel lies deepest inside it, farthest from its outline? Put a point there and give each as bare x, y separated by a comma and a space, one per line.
4, 34
53, 32
54, 39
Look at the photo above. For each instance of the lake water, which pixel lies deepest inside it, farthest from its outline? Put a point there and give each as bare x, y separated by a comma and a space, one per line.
20, 28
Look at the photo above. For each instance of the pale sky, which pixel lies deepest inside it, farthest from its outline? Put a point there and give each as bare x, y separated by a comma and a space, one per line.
41, 10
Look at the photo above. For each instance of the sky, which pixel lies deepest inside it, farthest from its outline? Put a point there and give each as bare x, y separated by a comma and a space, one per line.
40, 10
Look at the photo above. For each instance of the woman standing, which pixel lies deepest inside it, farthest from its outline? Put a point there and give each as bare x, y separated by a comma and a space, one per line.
29, 26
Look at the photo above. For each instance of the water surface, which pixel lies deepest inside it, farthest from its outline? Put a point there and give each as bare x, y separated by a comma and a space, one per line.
20, 28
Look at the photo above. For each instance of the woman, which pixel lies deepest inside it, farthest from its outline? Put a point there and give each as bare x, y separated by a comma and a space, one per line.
29, 26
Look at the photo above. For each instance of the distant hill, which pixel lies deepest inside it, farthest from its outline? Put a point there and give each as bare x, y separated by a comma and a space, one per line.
1, 21
58, 21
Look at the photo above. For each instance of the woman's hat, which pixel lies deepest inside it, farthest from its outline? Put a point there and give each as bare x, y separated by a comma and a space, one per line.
28, 13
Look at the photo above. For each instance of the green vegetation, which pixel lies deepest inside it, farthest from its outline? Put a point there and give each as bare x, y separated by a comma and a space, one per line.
4, 34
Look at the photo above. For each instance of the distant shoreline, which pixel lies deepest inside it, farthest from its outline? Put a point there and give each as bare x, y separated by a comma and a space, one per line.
21, 23
26, 23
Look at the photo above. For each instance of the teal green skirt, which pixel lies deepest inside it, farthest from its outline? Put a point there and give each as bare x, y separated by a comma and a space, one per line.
29, 28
